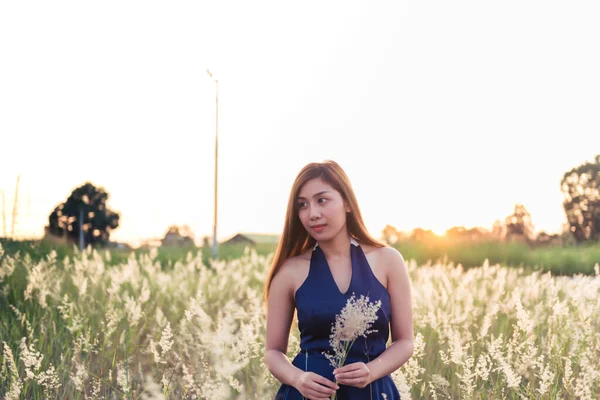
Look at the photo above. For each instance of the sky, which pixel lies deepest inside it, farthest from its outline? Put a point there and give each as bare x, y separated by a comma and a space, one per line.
442, 113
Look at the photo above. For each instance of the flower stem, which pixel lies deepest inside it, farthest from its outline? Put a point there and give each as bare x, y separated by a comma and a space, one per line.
347, 347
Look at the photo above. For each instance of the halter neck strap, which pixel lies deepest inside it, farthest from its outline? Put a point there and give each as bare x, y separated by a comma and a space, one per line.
352, 240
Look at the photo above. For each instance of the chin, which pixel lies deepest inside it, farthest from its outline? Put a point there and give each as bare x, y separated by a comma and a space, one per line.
324, 237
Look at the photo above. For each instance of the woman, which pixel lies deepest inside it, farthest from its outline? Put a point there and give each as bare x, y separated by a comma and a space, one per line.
325, 256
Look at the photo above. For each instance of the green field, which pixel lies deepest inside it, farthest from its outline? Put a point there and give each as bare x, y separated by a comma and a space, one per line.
560, 260
175, 324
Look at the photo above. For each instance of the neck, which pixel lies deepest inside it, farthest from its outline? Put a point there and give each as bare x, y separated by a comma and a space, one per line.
337, 247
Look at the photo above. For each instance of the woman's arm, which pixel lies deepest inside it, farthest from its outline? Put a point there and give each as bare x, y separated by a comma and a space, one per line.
401, 324
280, 312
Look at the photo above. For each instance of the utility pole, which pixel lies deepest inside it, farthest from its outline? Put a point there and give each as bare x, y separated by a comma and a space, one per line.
215, 249
3, 214
15, 208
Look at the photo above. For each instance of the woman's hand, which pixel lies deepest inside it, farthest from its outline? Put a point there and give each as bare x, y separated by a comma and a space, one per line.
315, 387
355, 374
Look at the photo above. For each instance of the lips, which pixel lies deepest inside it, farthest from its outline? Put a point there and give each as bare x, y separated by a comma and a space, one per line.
318, 228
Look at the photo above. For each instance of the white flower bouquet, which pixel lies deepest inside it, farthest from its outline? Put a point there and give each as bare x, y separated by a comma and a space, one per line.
355, 320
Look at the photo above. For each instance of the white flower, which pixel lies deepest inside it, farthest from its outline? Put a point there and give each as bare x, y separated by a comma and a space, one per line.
355, 319
166, 341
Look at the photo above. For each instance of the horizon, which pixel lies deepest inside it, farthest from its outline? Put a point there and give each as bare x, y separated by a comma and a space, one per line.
138, 241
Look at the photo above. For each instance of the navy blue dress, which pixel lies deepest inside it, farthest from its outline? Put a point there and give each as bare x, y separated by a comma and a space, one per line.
318, 301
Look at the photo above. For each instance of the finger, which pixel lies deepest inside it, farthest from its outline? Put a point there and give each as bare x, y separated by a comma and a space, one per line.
318, 394
354, 366
326, 382
347, 368
311, 396
342, 369
358, 382
352, 374
321, 390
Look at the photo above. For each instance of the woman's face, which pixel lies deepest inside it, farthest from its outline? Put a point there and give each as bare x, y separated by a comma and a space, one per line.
321, 209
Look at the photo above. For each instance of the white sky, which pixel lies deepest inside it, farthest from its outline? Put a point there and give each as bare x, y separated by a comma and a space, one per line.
442, 113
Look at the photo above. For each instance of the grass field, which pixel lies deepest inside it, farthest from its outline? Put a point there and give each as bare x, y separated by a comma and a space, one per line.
559, 260
164, 325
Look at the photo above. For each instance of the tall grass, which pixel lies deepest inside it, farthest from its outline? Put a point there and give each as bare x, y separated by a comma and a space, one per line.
88, 327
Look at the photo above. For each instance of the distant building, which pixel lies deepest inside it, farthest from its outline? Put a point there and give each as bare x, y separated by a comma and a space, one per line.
252, 239
178, 237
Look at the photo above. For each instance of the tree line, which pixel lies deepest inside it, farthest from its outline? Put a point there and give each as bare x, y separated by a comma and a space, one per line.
581, 191
86, 218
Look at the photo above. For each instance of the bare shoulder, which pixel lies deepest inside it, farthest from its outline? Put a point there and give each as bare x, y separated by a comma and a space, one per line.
385, 255
395, 270
293, 271
392, 254
386, 263
291, 262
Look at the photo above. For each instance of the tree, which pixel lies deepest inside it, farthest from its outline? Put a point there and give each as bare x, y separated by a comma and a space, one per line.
456, 234
519, 224
390, 234
463, 234
423, 235
544, 238
98, 221
581, 189
498, 230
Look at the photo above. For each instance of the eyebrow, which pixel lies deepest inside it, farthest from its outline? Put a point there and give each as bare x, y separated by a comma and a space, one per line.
314, 195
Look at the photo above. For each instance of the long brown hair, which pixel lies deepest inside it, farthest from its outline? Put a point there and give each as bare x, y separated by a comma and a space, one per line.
295, 239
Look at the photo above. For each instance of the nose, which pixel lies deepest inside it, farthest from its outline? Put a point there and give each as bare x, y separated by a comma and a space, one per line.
314, 213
